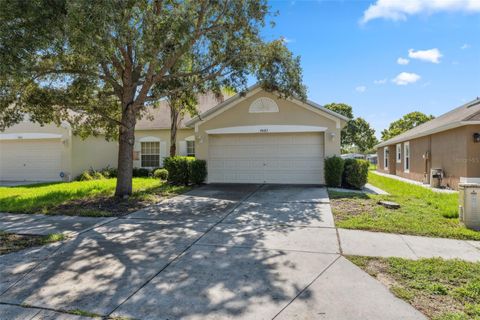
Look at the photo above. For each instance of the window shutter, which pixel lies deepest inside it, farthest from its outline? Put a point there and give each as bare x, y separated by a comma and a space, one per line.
182, 148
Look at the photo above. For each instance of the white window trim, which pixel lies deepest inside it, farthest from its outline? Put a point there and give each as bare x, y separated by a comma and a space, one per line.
385, 159
194, 151
151, 139
405, 146
399, 153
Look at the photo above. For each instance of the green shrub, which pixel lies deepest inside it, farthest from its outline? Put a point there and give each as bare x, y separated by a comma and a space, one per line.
97, 175
108, 172
84, 176
197, 170
177, 168
140, 172
355, 173
333, 169
161, 174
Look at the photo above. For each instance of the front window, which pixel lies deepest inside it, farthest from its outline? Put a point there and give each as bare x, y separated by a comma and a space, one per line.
191, 148
385, 157
399, 153
150, 156
406, 153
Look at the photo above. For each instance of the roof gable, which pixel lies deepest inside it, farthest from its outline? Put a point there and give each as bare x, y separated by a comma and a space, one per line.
239, 97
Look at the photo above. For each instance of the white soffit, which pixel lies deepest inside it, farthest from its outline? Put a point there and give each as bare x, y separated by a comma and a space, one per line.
266, 129
29, 136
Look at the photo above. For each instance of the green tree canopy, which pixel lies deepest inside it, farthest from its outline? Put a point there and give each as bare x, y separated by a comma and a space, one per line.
357, 135
407, 122
99, 64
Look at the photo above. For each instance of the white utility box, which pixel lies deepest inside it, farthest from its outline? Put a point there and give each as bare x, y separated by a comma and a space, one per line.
469, 205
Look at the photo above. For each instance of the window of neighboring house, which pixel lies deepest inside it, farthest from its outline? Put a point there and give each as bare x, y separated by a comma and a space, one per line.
399, 153
150, 154
191, 148
385, 157
406, 154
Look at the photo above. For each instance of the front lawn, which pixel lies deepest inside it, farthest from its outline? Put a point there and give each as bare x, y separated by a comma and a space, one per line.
441, 289
422, 212
87, 198
10, 242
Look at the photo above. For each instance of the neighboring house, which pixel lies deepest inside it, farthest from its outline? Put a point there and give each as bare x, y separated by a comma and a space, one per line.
372, 158
450, 142
254, 137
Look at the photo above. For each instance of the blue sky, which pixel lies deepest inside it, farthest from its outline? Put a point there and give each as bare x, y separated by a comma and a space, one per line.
345, 59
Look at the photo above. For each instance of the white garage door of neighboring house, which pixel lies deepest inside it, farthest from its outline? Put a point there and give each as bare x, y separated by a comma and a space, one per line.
291, 158
30, 160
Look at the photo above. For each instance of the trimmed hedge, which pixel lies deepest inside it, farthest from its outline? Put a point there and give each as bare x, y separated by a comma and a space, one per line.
185, 170
333, 169
161, 174
355, 174
140, 173
197, 171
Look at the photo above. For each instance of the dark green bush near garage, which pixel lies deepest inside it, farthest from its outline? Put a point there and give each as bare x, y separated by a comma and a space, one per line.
349, 173
355, 173
185, 170
333, 168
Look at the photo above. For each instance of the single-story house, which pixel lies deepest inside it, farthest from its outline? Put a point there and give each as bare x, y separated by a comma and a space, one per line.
254, 137
450, 142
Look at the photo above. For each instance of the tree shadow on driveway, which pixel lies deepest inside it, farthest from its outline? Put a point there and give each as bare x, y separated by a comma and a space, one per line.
141, 268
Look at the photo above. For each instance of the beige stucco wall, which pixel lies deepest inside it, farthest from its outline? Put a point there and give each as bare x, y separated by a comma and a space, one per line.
289, 113
97, 153
93, 152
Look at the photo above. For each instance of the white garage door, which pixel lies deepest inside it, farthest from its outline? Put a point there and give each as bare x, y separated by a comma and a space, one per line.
34, 160
290, 158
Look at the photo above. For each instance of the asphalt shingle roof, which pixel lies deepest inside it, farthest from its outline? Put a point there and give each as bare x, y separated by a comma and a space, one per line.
466, 113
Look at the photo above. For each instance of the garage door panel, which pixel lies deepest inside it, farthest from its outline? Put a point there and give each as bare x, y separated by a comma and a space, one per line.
30, 160
266, 158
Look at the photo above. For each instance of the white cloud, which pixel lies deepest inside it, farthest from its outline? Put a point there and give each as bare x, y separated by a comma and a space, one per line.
399, 10
465, 46
404, 78
381, 81
431, 55
361, 89
403, 61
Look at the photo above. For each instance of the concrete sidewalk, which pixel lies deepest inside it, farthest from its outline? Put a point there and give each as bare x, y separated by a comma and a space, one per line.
378, 244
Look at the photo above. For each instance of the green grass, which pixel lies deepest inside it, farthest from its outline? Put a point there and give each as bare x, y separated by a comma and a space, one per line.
441, 289
422, 212
87, 198
10, 242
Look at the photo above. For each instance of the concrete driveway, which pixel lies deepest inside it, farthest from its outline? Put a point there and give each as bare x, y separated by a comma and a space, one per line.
217, 252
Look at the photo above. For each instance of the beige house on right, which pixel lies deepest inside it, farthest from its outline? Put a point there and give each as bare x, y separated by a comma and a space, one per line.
450, 142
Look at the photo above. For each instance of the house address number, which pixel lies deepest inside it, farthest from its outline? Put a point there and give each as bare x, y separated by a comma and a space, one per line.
263, 130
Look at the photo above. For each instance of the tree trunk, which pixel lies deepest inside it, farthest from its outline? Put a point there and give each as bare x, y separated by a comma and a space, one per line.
174, 113
126, 141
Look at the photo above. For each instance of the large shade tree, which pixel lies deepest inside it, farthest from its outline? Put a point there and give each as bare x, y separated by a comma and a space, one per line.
405, 123
100, 64
357, 135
